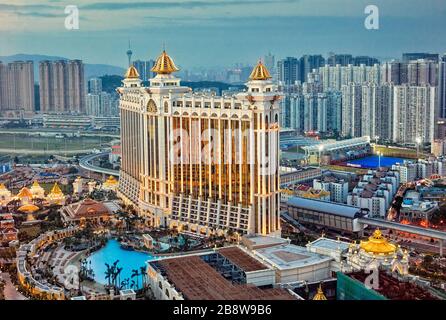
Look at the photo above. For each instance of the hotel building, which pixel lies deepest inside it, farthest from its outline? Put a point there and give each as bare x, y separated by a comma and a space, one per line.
199, 162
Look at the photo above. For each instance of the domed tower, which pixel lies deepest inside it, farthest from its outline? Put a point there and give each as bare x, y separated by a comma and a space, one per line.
263, 98
164, 68
131, 78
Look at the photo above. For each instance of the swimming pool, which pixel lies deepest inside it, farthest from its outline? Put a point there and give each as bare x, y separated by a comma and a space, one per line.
372, 162
128, 260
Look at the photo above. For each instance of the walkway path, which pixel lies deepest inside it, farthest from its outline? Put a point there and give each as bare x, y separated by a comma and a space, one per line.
10, 291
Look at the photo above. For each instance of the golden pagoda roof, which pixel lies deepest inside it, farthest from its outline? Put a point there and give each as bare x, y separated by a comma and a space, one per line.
111, 180
35, 185
56, 190
25, 193
164, 64
131, 73
319, 294
29, 208
377, 244
260, 72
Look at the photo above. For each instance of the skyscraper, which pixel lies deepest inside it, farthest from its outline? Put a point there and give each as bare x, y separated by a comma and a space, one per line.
407, 57
17, 88
351, 110
308, 63
422, 72
205, 164
414, 113
62, 86
341, 59
288, 71
376, 110
95, 85
270, 63
144, 69
442, 87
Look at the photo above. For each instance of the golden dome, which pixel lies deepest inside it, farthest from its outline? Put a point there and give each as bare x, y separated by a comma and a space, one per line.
377, 244
319, 294
29, 208
25, 193
111, 181
131, 73
56, 190
164, 64
260, 72
36, 184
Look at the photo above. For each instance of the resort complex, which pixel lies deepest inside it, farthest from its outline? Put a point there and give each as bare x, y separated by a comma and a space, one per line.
197, 200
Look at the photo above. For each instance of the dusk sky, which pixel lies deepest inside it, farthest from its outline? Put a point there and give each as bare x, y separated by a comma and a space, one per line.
220, 32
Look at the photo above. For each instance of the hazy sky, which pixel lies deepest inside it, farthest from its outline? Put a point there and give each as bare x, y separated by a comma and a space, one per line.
219, 32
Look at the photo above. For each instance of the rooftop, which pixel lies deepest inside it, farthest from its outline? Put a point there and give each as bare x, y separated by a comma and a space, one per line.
290, 256
330, 244
324, 206
395, 289
242, 259
197, 280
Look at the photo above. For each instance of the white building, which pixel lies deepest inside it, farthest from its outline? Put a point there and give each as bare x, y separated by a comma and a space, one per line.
375, 192
176, 181
414, 114
338, 188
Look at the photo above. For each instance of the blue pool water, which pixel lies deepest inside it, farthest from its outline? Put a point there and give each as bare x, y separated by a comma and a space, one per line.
372, 162
128, 260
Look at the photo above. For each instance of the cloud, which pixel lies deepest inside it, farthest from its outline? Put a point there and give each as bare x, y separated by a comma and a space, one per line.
177, 4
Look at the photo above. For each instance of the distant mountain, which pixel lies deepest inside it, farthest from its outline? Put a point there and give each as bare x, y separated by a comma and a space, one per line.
91, 70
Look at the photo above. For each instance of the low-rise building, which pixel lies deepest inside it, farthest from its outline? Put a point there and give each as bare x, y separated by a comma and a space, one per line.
223, 274
334, 216
338, 188
300, 190
86, 210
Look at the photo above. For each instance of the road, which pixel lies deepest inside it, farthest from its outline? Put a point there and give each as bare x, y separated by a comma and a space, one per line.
85, 163
10, 291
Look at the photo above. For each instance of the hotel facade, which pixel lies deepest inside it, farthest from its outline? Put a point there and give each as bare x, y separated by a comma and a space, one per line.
198, 162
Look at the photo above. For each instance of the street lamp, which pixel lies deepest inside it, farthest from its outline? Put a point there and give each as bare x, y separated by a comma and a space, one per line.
418, 141
321, 148
379, 159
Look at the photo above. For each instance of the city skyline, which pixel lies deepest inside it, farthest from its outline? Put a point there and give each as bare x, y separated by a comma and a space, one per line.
253, 27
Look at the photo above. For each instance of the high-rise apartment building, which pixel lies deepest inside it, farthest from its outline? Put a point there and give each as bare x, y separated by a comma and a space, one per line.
442, 87
288, 70
376, 110
62, 86
351, 110
340, 59
414, 113
144, 69
201, 163
17, 88
95, 86
422, 72
308, 63
420, 55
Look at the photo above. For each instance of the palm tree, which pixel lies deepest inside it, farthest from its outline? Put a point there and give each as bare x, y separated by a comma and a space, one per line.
135, 273
143, 275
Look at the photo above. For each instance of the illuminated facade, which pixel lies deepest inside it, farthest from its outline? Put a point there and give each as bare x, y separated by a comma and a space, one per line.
199, 162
